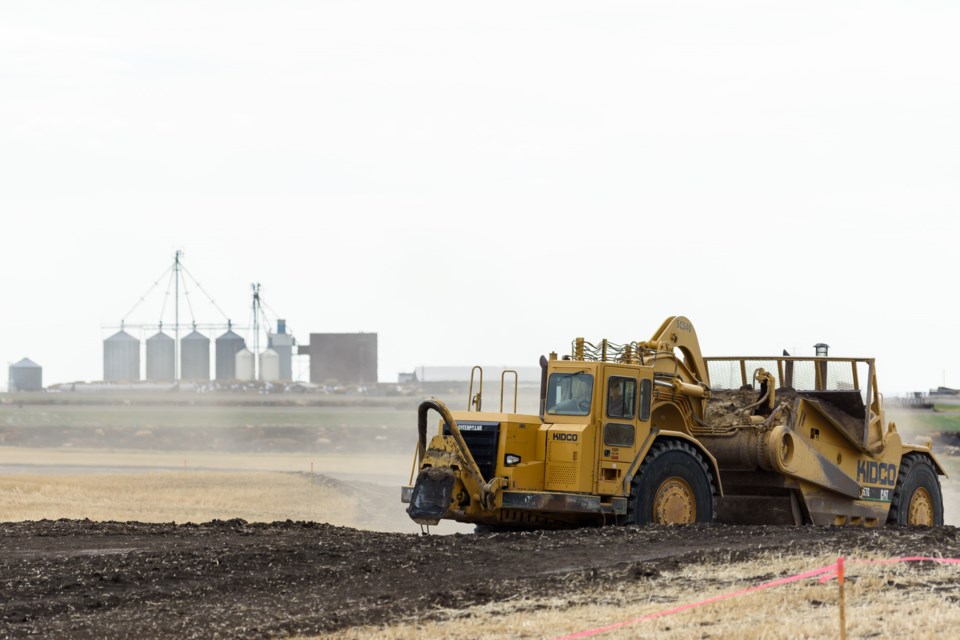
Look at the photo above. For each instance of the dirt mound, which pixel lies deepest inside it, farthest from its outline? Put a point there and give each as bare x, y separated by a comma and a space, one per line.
233, 579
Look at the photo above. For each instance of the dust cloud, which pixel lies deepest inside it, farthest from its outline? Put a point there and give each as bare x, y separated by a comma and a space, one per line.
339, 460
350, 454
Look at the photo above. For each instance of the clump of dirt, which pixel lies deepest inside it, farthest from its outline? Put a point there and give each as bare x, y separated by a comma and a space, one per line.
83, 579
725, 408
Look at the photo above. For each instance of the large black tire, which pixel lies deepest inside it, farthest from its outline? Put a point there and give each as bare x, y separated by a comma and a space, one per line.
917, 498
674, 485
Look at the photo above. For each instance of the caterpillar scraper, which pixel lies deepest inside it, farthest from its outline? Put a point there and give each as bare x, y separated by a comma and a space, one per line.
653, 432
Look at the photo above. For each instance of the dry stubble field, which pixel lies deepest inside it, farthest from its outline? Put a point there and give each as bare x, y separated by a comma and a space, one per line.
882, 601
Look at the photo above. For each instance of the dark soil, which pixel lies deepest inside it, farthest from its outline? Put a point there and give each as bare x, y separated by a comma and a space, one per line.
82, 579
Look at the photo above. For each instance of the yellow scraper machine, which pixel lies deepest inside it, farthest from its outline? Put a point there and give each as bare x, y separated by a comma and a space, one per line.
653, 432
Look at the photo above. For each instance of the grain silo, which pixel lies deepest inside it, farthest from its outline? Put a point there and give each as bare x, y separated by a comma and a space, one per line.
195, 357
269, 366
161, 359
25, 375
121, 358
282, 343
243, 368
227, 347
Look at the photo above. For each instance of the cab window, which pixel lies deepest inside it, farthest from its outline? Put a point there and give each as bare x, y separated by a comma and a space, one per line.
646, 391
569, 394
621, 397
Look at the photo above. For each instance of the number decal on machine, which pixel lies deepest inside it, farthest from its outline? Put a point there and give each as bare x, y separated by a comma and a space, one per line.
874, 494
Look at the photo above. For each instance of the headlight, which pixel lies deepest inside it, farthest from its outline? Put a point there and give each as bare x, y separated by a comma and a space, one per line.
510, 460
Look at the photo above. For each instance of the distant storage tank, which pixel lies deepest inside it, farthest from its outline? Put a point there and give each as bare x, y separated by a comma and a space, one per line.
195, 357
344, 358
161, 361
25, 375
269, 366
227, 347
282, 343
243, 367
121, 358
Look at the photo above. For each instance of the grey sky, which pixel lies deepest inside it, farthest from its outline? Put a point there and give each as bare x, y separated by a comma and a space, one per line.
486, 182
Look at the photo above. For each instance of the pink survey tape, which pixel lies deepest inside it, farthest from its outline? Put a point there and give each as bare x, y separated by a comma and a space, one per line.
825, 573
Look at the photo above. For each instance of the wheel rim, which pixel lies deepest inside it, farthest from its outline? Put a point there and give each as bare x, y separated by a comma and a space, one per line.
920, 510
674, 503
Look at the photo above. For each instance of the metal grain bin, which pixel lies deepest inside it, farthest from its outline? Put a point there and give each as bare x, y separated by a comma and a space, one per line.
161, 360
195, 357
243, 368
269, 366
227, 347
25, 375
121, 358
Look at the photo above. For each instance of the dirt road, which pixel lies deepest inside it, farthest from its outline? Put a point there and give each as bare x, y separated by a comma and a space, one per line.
232, 579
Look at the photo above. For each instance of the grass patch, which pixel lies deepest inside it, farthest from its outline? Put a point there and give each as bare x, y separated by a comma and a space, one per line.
946, 407
925, 421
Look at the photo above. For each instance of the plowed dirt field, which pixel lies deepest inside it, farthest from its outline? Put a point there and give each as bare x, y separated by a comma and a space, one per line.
83, 579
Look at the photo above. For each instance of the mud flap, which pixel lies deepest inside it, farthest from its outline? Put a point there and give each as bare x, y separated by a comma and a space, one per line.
431, 495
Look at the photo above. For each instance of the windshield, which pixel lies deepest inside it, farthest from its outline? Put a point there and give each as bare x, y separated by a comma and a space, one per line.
569, 394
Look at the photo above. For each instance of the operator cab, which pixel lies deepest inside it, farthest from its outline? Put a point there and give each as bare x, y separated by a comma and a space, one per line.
569, 394
596, 415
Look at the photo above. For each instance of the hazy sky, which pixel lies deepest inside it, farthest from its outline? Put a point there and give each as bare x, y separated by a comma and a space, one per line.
485, 182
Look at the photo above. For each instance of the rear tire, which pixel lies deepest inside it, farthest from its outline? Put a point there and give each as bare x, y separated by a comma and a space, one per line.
917, 498
674, 485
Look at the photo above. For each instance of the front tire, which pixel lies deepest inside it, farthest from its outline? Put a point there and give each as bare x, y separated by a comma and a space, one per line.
674, 485
917, 498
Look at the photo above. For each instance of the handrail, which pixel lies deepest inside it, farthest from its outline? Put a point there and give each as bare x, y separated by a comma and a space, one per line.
516, 383
786, 371
790, 358
471, 399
